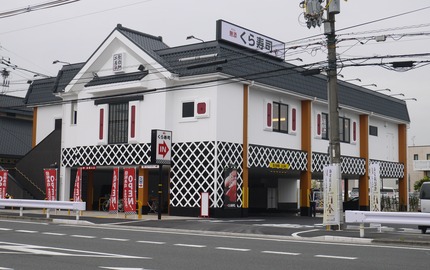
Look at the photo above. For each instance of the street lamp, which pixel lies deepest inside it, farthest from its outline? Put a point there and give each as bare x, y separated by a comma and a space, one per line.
295, 59
350, 80
62, 62
414, 99
399, 94
372, 84
193, 37
380, 90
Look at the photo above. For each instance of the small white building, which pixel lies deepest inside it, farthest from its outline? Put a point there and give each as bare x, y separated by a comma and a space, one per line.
228, 106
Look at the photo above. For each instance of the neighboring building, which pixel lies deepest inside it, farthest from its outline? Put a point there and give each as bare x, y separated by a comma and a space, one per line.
228, 107
15, 136
418, 164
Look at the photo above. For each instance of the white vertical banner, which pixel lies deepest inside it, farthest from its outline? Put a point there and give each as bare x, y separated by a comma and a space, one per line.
331, 198
375, 187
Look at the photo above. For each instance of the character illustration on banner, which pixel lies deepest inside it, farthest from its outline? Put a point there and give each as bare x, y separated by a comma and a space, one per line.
230, 187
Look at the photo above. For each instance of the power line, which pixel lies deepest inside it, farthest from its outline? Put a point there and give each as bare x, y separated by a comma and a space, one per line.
41, 6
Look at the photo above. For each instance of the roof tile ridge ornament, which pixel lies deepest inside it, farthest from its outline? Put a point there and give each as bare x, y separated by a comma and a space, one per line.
120, 27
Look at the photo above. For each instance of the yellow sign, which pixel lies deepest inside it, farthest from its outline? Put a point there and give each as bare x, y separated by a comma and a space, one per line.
283, 166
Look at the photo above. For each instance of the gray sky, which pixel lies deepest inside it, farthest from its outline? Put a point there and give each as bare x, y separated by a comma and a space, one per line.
73, 32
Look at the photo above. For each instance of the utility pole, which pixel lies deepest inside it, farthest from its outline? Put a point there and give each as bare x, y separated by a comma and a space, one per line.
333, 104
313, 14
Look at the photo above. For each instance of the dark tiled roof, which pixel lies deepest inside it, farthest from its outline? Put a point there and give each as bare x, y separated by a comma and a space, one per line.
41, 92
15, 137
11, 104
65, 76
244, 64
117, 78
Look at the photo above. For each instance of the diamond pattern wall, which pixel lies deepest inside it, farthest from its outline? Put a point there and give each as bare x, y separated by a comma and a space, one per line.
349, 165
390, 169
261, 156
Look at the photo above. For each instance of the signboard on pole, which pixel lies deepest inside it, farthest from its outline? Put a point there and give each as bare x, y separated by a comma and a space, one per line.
331, 200
3, 184
161, 146
250, 39
375, 187
129, 190
113, 201
77, 190
51, 184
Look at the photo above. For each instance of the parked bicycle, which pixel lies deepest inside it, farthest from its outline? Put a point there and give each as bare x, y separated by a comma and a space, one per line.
106, 204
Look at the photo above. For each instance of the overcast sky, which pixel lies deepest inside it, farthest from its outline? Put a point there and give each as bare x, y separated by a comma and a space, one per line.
72, 32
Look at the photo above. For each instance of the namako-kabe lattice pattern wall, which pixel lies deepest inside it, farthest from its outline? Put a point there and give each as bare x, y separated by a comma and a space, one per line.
261, 157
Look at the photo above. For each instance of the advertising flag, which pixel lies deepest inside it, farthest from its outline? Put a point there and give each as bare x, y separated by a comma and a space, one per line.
113, 203
129, 190
77, 190
3, 184
51, 184
375, 187
331, 203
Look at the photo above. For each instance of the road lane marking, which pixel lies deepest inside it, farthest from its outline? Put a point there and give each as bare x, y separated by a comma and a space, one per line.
233, 249
5, 229
151, 242
83, 236
336, 257
26, 231
55, 234
280, 253
188, 245
116, 239
296, 234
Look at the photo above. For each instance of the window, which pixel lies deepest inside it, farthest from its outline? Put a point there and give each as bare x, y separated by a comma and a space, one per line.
280, 117
188, 109
373, 130
428, 156
344, 128
324, 126
118, 123
415, 156
74, 119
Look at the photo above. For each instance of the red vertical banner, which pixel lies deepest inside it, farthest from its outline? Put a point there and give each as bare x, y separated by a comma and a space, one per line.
51, 184
129, 190
3, 184
77, 190
113, 202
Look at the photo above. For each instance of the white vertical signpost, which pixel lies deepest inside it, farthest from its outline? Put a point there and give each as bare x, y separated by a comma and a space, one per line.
375, 187
161, 154
331, 200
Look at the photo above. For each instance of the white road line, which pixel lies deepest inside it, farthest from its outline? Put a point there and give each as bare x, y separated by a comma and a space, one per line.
151, 242
116, 239
83, 236
280, 253
233, 249
336, 257
52, 233
26, 231
188, 245
296, 234
5, 229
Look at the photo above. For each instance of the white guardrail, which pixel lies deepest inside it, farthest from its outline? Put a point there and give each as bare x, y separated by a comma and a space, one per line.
43, 204
409, 218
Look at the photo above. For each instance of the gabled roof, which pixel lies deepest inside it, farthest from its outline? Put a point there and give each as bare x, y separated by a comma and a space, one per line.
65, 76
241, 63
41, 92
15, 137
117, 78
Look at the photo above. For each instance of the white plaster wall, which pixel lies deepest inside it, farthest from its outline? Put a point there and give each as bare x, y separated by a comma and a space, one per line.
46, 117
256, 120
385, 145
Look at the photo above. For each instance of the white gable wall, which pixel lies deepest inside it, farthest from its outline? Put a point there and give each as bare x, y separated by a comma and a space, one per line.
385, 145
46, 117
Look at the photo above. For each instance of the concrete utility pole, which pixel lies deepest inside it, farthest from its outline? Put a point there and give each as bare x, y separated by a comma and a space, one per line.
333, 104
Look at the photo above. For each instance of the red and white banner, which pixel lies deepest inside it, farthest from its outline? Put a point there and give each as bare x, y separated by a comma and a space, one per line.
113, 202
3, 184
77, 190
129, 190
51, 184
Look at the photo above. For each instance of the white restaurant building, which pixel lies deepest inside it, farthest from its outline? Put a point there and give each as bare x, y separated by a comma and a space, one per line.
228, 106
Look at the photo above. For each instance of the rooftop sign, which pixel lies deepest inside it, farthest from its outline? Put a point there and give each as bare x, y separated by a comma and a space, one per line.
249, 39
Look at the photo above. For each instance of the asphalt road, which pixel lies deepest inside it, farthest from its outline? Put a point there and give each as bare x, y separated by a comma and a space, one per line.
45, 245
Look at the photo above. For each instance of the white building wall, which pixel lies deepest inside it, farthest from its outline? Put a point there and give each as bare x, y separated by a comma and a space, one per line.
385, 145
260, 135
46, 117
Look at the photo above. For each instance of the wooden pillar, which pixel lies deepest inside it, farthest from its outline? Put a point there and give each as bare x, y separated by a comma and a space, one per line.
306, 176
363, 181
245, 174
403, 182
